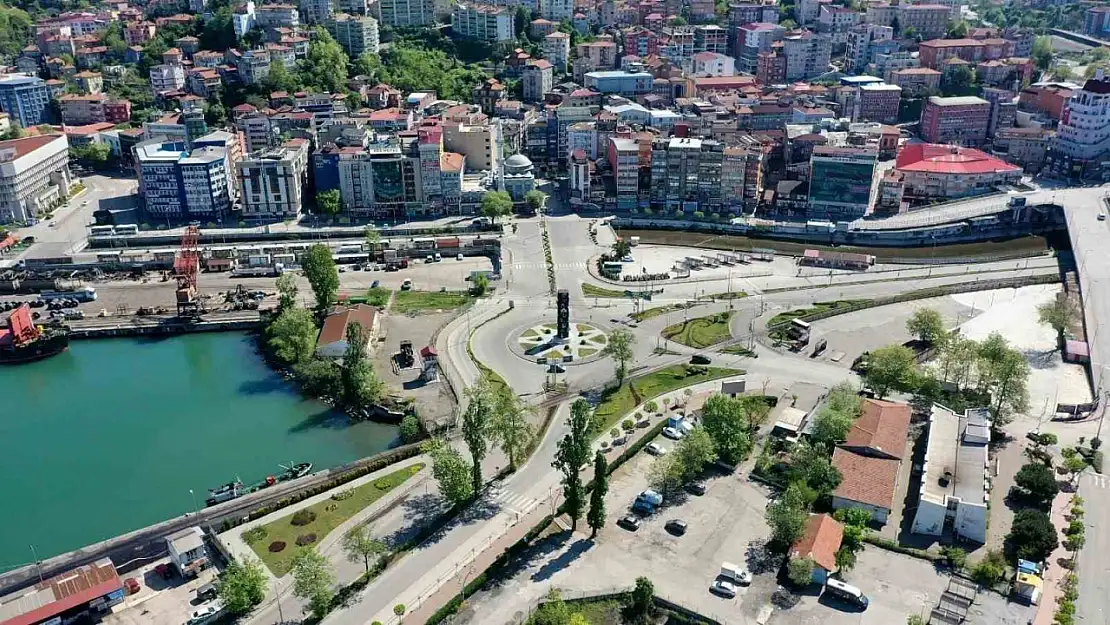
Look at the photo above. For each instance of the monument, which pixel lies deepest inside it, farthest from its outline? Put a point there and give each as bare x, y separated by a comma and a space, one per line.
562, 301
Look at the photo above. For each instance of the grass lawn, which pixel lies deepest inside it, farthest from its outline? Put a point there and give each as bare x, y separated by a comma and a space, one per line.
619, 402
739, 350
599, 339
330, 514
586, 351
419, 301
650, 313
528, 333
378, 296
700, 332
607, 612
581, 327
590, 290
817, 307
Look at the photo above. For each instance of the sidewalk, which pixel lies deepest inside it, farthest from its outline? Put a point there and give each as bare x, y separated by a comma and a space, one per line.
1055, 573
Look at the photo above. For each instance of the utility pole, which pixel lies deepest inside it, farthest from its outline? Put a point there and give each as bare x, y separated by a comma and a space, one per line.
38, 564
196, 511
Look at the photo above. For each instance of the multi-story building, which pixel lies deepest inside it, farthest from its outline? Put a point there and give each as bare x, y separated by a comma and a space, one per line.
751, 11
89, 82
26, 99
1083, 136
807, 55
944, 172
751, 40
771, 68
556, 49
1048, 100
929, 20
933, 54
1027, 147
406, 13
686, 174
877, 102
859, 44
253, 66
258, 130
316, 11
557, 10
1003, 110
710, 38
741, 176
356, 34
881, 14
808, 11
712, 64
204, 82
243, 18
272, 16
479, 143
599, 54
959, 120
272, 181
841, 182
628, 84
166, 78
34, 176
1096, 21
623, 156
79, 110
483, 22
536, 80
488, 94
836, 21
378, 181
177, 184
916, 81
228, 142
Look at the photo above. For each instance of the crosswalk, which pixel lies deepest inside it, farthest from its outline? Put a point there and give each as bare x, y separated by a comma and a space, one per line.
540, 265
513, 502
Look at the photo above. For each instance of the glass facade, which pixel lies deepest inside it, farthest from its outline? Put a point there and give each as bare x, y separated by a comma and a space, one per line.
840, 182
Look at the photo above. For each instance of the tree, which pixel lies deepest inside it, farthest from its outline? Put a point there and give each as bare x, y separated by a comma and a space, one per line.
640, 606
496, 204
1057, 314
809, 465
313, 581
927, 325
242, 585
287, 291
373, 237
957, 29
1042, 52
361, 387
450, 470
991, 569
787, 517
535, 199
800, 571
319, 268
1032, 536
831, 427
571, 454
1074, 464
1005, 373
595, 518
1038, 483
890, 368
14, 131
359, 544
353, 101
955, 556
411, 430
961, 82
328, 202
915, 619
292, 336
666, 474
319, 377
622, 248
476, 426
510, 427
788, 24
479, 285
957, 359
725, 420
325, 68
910, 32
620, 350
693, 453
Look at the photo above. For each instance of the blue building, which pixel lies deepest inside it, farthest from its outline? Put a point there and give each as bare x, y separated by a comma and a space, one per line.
325, 168
178, 184
26, 99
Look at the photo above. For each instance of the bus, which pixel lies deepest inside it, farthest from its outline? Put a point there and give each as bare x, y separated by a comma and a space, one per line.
127, 230
102, 231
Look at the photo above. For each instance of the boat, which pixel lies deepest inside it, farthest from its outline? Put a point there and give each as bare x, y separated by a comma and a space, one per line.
236, 489
22, 341
294, 471
227, 492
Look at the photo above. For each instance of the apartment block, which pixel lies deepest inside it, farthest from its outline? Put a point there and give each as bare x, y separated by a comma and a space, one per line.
175, 183
166, 78
878, 103
807, 55
483, 22
406, 13
34, 176
536, 80
272, 16
841, 182
1083, 136
916, 81
959, 120
929, 20
272, 181
556, 49
934, 53
26, 99
356, 34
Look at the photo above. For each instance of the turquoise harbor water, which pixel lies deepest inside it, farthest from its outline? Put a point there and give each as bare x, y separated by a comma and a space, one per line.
111, 436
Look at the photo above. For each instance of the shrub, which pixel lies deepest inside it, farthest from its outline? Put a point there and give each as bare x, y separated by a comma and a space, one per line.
991, 569
628, 425
276, 546
955, 556
382, 484
303, 517
306, 539
344, 494
614, 432
254, 535
800, 571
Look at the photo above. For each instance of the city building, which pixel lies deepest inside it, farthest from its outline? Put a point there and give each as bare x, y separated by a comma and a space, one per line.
623, 156
1083, 136
556, 49
954, 481
243, 18
1046, 99
557, 10
807, 55
933, 172
870, 459
26, 99
861, 39
89, 82
166, 78
273, 16
406, 13
187, 551
628, 84
272, 181
1027, 147
770, 68
177, 184
916, 81
84, 593
1096, 21
752, 40
929, 20
686, 174
959, 120
841, 181
933, 54
836, 21
877, 103
34, 176
536, 80
821, 538
483, 22
712, 64
356, 34
518, 176
316, 11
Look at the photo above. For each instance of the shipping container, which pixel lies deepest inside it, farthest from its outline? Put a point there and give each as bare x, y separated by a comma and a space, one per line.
447, 243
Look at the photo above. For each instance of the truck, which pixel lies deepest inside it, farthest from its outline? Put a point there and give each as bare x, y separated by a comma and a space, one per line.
267, 271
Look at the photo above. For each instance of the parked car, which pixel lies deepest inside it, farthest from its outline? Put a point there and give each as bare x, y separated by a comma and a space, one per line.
375, 284
735, 574
698, 359
132, 585
673, 433
629, 523
643, 508
203, 615
406, 285
655, 449
459, 257
206, 592
676, 527
723, 588
696, 488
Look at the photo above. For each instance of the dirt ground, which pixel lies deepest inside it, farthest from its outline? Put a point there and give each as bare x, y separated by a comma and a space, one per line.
434, 400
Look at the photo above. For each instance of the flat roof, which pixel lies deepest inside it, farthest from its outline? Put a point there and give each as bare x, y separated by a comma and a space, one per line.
955, 459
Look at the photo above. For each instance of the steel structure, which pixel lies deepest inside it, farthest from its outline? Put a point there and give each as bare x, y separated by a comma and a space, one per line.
186, 267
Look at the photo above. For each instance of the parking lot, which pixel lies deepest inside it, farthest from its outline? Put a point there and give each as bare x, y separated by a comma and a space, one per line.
160, 601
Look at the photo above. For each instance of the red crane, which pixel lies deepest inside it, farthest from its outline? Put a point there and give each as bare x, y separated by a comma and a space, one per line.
186, 267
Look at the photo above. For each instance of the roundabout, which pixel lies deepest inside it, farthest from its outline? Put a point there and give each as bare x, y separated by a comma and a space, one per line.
584, 342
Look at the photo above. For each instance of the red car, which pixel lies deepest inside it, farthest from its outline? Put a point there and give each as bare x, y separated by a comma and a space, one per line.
132, 585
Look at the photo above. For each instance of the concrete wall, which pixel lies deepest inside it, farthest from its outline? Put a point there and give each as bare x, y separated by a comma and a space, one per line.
929, 518
878, 514
971, 521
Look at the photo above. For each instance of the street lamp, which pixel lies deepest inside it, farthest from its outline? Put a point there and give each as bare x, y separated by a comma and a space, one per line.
196, 511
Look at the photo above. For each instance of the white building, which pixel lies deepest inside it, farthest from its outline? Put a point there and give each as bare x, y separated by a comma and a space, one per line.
1084, 131
356, 34
166, 78
954, 483
34, 175
404, 13
712, 64
836, 21
271, 181
242, 18
316, 11
556, 49
536, 80
175, 183
483, 22
187, 551
557, 10
807, 55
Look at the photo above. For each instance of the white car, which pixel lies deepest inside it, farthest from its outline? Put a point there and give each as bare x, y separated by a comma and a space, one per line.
1102, 216
655, 449
203, 615
723, 588
672, 433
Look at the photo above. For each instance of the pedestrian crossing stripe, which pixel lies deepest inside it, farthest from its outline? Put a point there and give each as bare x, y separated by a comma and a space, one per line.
544, 265
515, 502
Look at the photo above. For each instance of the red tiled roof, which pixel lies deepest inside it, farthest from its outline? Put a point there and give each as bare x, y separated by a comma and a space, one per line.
335, 326
881, 426
949, 159
820, 541
71, 589
866, 479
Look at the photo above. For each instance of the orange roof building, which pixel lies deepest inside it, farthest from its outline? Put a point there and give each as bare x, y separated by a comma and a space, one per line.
819, 542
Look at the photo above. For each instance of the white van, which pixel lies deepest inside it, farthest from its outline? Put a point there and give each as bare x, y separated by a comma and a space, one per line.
735, 573
848, 593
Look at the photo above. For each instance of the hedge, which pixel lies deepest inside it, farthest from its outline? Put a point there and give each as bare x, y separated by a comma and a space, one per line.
890, 545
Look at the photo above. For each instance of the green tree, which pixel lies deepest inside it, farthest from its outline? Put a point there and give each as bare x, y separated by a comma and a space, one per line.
361, 386
242, 585
313, 581
373, 237
809, 464
479, 285
292, 336
666, 474
991, 569
955, 556
620, 350
571, 455
14, 131
890, 368
1038, 482
915, 619
1058, 315
325, 68
510, 427
319, 268
411, 430
450, 470
957, 29
927, 325
693, 453
219, 32
800, 571
621, 248
957, 359
960, 82
1042, 52
359, 545
1032, 536
15, 31
1074, 464
476, 426
830, 427
639, 608
595, 518
535, 199
328, 202
353, 101
910, 33
287, 291
725, 420
1004, 372
787, 517
319, 377
496, 204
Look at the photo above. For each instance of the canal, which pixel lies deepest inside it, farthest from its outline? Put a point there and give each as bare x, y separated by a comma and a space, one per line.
112, 435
